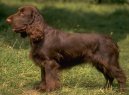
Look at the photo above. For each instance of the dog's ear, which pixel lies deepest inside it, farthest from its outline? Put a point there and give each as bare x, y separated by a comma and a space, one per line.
34, 13
36, 29
34, 22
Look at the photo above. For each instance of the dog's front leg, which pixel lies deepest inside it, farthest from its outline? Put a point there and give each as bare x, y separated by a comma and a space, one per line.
42, 85
51, 75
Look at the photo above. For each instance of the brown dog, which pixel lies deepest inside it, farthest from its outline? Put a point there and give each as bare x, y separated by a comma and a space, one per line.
53, 49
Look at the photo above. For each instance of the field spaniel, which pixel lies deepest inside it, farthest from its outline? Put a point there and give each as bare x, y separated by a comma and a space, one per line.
53, 50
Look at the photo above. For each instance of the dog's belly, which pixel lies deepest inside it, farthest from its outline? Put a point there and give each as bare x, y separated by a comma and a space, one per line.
70, 61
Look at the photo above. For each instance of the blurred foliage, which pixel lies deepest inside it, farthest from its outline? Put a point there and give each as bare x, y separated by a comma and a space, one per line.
87, 1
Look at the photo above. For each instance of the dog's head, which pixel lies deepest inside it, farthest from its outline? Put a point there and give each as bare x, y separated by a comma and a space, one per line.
23, 18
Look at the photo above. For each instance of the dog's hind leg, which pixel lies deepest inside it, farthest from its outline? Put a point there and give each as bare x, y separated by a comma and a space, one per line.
109, 66
119, 75
108, 78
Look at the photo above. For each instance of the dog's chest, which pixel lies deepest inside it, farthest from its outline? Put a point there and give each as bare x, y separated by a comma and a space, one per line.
36, 57
36, 54
40, 54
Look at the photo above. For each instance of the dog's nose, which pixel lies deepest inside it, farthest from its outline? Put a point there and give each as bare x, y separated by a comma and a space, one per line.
8, 20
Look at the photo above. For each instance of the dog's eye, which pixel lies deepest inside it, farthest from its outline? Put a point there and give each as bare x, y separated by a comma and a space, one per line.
21, 11
21, 14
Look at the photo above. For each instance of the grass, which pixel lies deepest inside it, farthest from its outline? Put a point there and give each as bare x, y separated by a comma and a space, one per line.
18, 74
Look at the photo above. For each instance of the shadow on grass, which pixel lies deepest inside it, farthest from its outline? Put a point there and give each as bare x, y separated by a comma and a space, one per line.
5, 11
114, 24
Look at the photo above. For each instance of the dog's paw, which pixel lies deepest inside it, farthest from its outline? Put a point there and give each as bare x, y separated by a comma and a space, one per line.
40, 87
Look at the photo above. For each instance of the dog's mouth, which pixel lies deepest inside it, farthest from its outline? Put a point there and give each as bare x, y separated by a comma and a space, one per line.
19, 29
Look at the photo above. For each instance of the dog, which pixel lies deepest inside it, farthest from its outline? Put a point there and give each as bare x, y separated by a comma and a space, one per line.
53, 49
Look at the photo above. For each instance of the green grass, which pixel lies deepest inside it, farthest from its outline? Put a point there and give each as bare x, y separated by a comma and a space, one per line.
18, 74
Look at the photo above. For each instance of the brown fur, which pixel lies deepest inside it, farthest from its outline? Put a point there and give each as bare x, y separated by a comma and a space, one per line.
52, 49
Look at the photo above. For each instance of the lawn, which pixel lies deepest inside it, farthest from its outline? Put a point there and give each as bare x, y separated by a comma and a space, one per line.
18, 74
